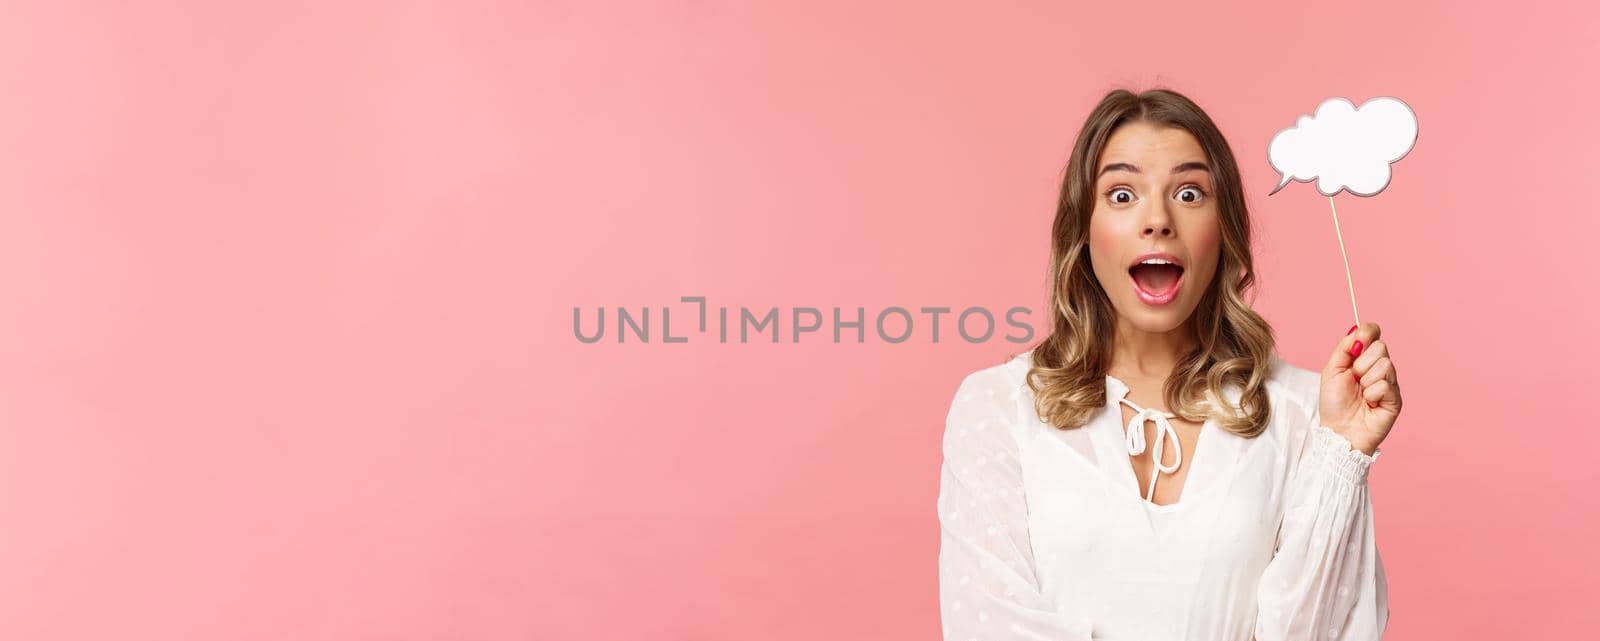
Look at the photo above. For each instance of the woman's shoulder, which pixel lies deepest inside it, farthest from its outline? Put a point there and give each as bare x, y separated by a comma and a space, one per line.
1292, 383
993, 393
999, 380
985, 400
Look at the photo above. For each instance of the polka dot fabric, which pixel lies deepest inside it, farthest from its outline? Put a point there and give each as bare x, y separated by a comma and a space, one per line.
1271, 539
1326, 580
987, 585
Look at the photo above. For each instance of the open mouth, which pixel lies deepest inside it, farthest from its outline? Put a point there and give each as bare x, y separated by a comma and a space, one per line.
1156, 283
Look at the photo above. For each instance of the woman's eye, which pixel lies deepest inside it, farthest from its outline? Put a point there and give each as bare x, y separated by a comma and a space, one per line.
1121, 196
1190, 195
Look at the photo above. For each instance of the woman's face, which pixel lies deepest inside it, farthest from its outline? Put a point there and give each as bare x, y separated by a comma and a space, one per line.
1153, 193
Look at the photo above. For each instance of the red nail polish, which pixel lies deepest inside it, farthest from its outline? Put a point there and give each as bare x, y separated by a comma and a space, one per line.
1352, 329
1356, 351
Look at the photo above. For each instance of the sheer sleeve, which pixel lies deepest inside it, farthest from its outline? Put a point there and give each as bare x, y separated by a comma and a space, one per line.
1325, 580
988, 588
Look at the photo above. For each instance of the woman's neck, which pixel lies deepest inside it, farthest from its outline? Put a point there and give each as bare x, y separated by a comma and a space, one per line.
1142, 355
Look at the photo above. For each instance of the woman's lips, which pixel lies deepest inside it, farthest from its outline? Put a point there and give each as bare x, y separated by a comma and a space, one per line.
1163, 298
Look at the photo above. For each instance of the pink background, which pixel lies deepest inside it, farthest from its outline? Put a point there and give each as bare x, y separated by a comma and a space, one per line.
288, 349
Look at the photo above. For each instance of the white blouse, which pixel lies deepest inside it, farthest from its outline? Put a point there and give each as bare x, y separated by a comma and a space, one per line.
1046, 534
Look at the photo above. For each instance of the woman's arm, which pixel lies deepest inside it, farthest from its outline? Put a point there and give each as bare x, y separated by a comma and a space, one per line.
1326, 580
988, 588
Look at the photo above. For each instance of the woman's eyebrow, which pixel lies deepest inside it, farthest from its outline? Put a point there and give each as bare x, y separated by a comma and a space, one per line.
1183, 167
1118, 166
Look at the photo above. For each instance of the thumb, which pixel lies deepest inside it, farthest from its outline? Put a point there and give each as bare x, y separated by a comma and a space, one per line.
1341, 360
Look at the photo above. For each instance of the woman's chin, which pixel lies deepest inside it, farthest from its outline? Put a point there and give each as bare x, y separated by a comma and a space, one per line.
1157, 319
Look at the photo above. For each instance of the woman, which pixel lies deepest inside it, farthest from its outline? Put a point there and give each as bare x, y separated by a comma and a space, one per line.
1152, 469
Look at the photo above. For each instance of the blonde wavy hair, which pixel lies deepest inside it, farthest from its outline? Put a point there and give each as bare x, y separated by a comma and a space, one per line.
1234, 344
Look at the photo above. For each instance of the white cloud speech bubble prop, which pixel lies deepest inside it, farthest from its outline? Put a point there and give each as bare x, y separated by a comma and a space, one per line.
1345, 147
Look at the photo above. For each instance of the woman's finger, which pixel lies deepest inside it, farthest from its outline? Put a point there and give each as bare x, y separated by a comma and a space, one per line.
1341, 359
1377, 350
1380, 371
1375, 392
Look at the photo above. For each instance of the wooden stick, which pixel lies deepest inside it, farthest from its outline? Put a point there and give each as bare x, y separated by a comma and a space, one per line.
1347, 278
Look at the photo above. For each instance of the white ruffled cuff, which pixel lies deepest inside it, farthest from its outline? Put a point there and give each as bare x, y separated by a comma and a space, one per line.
1330, 449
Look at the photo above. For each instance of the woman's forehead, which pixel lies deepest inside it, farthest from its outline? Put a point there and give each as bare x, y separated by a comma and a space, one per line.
1157, 146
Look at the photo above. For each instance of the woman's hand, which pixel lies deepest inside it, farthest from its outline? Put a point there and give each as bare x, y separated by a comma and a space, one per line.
1360, 391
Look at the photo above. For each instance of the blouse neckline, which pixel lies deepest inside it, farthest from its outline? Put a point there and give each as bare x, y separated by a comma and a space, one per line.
1133, 443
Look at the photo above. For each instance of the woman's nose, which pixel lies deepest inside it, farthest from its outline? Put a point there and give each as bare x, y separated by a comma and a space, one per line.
1158, 223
